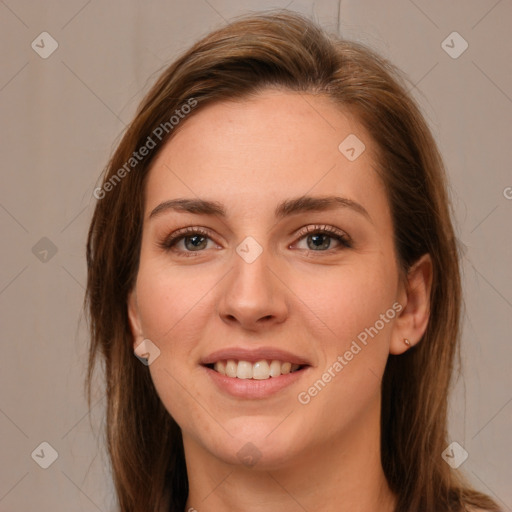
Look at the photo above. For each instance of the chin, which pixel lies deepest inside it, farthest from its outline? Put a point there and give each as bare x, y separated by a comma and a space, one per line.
259, 444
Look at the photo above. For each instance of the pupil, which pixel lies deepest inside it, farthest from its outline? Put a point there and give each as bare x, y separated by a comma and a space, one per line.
196, 240
323, 245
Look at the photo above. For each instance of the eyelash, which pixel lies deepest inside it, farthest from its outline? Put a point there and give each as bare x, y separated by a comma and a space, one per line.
170, 241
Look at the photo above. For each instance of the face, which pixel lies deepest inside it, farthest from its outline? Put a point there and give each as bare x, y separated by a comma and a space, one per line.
241, 278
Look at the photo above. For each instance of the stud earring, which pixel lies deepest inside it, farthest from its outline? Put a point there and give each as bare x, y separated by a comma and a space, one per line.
407, 342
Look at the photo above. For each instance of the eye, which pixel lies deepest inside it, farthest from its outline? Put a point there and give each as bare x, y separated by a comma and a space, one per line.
319, 238
187, 240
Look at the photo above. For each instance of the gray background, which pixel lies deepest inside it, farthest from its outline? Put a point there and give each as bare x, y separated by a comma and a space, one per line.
61, 118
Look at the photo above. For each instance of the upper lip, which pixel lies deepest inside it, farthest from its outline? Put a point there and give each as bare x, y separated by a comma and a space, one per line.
254, 355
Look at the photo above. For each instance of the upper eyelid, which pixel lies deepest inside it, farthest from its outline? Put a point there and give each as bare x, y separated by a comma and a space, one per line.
313, 228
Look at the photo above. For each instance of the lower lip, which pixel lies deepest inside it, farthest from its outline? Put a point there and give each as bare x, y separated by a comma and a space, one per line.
253, 388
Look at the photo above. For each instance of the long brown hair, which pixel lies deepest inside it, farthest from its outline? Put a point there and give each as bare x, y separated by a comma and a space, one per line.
282, 49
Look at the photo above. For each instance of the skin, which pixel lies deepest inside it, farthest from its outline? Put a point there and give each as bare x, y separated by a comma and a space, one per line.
250, 155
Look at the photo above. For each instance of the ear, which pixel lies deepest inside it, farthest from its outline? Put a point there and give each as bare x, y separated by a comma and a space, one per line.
414, 296
134, 318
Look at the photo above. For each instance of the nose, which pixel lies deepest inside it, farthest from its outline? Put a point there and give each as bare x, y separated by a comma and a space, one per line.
253, 297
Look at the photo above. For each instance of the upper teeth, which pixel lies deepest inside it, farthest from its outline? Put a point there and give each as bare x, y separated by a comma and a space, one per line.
260, 370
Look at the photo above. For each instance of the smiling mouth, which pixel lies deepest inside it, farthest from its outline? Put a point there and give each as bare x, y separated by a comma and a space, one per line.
260, 370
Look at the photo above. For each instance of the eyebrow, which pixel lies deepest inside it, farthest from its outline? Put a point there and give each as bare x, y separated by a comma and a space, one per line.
284, 209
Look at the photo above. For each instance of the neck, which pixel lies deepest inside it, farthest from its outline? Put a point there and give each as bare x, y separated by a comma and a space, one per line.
341, 473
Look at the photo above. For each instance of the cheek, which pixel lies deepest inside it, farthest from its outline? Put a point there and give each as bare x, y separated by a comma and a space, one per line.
168, 298
348, 300
356, 308
174, 306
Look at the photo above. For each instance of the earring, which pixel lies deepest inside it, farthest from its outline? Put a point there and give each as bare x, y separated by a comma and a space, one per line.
407, 342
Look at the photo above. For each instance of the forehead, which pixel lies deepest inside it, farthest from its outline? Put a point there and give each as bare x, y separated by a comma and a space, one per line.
276, 144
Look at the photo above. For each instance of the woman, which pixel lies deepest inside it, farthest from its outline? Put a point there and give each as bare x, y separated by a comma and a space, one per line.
273, 240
